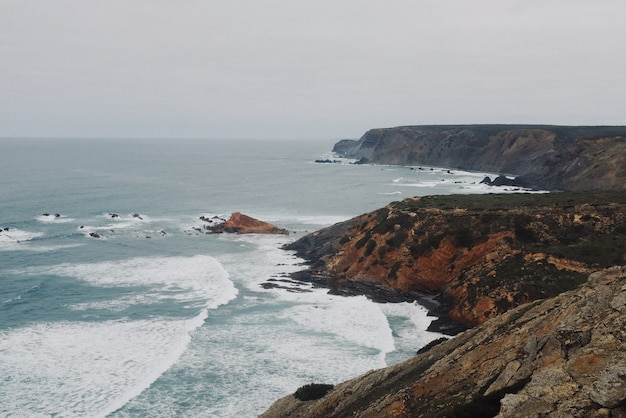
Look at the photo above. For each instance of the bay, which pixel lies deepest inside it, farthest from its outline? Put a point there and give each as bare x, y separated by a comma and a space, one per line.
114, 302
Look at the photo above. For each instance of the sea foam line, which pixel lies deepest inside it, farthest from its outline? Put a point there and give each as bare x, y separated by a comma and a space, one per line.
75, 368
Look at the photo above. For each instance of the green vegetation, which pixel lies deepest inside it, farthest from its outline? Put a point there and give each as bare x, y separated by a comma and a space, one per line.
371, 244
312, 391
361, 242
396, 240
494, 202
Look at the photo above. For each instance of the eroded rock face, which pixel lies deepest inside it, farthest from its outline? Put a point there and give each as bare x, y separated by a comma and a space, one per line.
238, 223
574, 158
483, 254
565, 357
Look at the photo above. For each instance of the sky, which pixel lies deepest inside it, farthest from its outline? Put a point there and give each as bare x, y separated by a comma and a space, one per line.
305, 69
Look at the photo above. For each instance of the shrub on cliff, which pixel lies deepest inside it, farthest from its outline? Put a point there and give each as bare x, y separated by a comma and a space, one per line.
312, 391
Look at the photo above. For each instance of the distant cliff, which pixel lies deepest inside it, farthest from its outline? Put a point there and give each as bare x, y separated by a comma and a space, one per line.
562, 357
481, 255
575, 158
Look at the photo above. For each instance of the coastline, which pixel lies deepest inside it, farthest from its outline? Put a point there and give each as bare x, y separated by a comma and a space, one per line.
437, 305
468, 258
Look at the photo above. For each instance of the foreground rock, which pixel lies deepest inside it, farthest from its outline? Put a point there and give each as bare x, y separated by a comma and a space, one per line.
562, 357
480, 255
574, 158
238, 223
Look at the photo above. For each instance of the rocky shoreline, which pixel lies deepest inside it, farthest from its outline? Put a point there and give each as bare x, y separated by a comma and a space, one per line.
536, 282
437, 305
564, 356
468, 258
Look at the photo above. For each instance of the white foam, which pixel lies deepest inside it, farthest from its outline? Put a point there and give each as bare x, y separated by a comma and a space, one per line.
117, 305
122, 227
14, 239
94, 368
240, 366
17, 235
409, 322
355, 319
54, 218
47, 248
86, 369
310, 219
194, 278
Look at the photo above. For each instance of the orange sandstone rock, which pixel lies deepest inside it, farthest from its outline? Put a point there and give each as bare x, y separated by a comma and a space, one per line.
238, 223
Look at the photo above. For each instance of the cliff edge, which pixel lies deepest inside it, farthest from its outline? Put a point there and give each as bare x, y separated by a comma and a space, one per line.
564, 356
469, 258
573, 158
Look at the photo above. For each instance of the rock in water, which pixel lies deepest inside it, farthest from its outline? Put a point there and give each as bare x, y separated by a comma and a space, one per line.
244, 224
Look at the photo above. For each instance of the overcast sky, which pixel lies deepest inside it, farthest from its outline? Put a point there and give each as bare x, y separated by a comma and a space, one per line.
305, 69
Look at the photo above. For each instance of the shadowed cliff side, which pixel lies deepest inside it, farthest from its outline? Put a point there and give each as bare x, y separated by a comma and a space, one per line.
574, 158
481, 255
565, 356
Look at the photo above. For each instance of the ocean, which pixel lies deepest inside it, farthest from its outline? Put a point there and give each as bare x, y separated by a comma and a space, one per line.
114, 302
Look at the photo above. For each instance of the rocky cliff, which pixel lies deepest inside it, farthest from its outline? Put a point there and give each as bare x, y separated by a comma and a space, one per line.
543, 156
470, 257
562, 357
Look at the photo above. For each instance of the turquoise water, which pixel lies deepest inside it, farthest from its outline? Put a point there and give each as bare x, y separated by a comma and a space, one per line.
113, 303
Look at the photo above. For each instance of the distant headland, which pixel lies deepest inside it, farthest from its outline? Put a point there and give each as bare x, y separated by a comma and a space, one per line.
551, 157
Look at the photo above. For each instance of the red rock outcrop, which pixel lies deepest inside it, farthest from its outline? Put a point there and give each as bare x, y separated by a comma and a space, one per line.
238, 223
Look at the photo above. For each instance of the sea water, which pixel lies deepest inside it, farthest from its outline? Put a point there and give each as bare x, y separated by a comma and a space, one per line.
114, 301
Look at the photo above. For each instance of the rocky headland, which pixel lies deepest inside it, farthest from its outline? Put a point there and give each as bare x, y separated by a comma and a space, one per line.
469, 258
532, 285
561, 357
548, 157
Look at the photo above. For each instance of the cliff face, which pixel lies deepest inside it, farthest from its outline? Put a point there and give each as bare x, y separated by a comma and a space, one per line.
481, 254
565, 356
545, 157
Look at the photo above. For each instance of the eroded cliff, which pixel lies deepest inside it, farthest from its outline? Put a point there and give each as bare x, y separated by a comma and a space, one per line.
565, 357
481, 255
573, 158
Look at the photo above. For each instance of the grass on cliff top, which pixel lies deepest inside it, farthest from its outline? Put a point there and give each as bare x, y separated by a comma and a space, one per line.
506, 201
